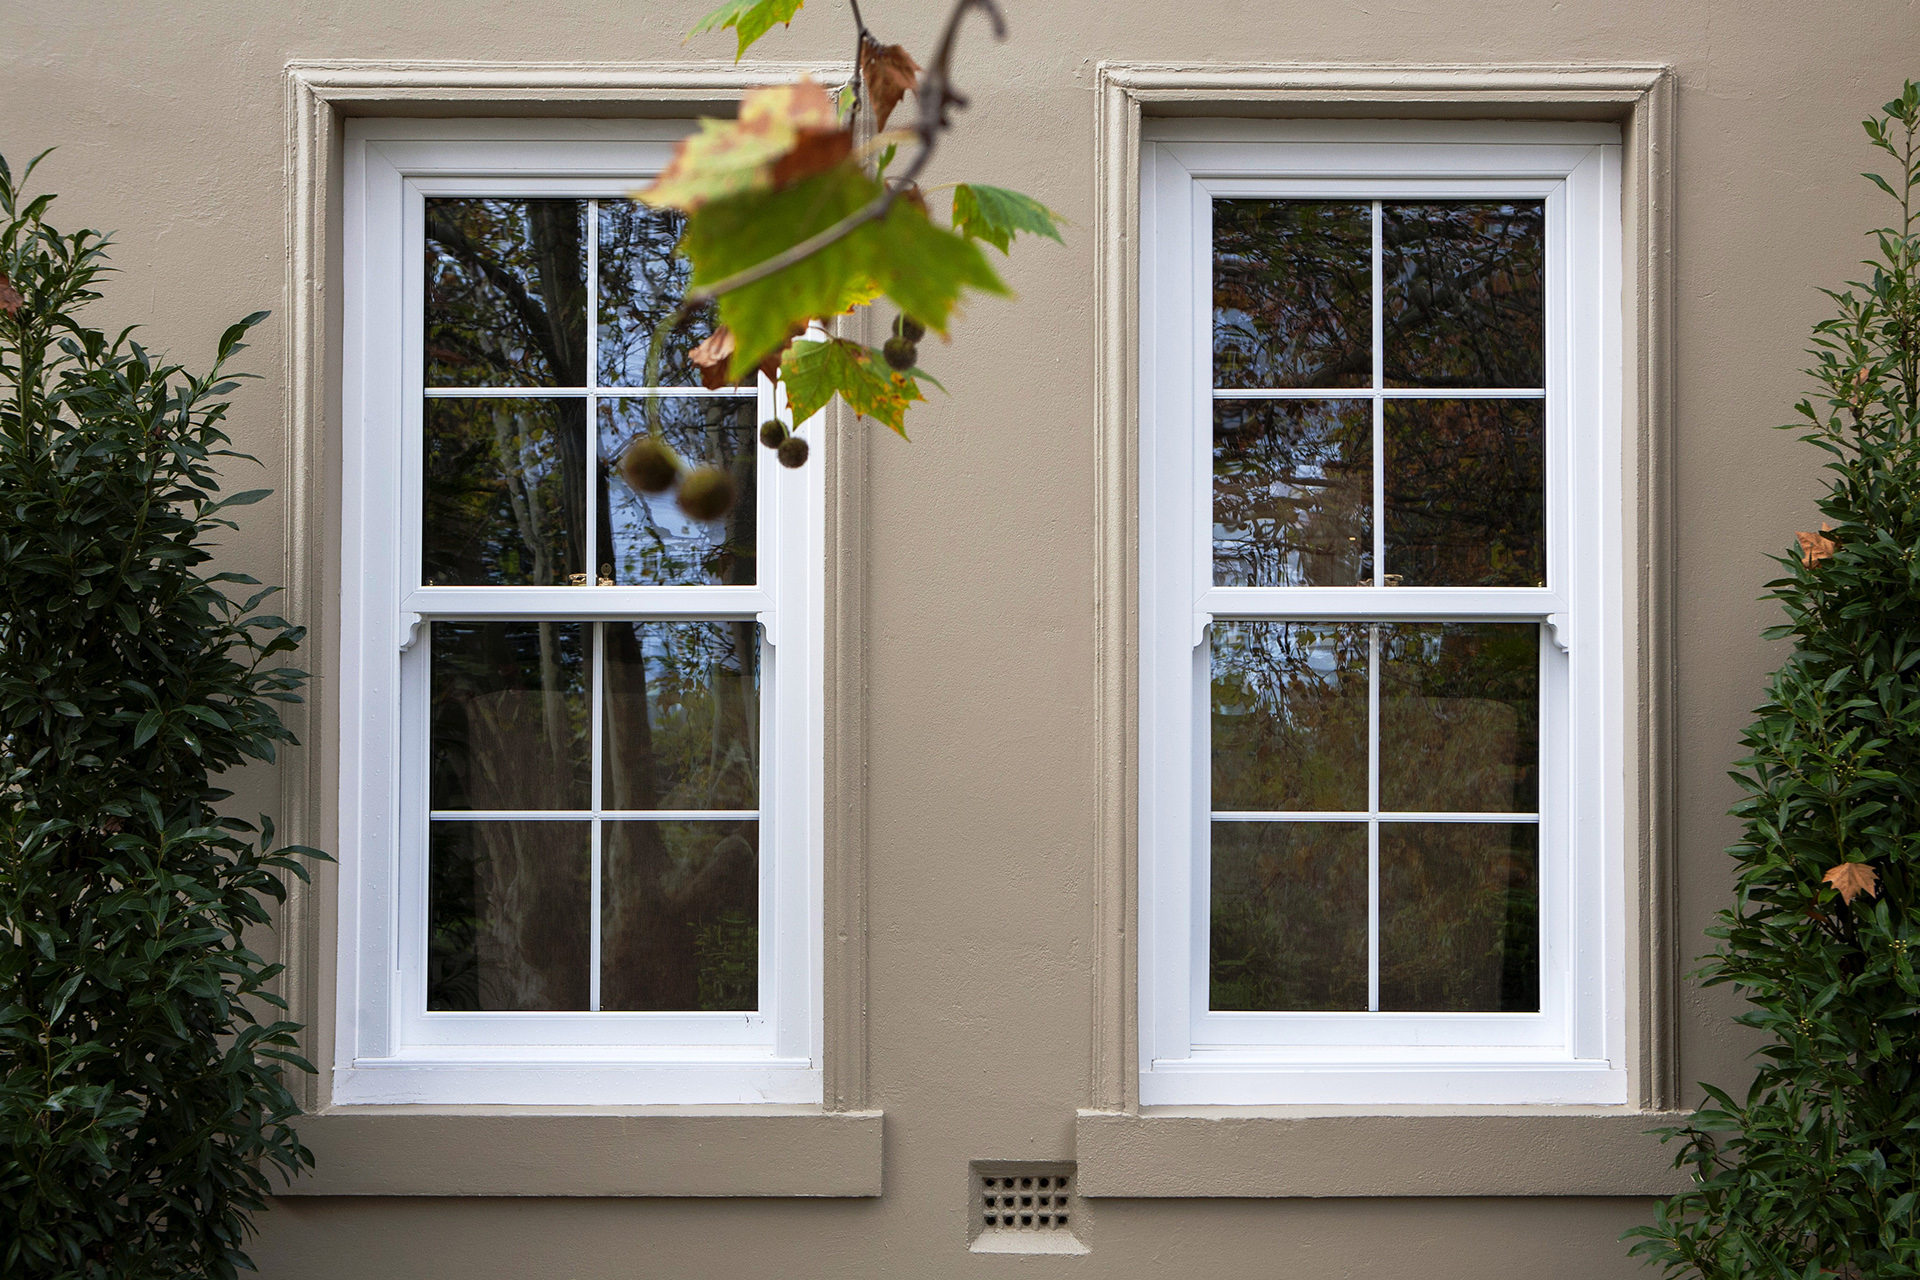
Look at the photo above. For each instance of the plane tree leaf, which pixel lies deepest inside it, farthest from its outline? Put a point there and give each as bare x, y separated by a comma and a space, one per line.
995, 214
782, 134
815, 371
923, 268
750, 19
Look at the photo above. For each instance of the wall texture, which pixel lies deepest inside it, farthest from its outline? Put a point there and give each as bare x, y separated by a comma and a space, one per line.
168, 115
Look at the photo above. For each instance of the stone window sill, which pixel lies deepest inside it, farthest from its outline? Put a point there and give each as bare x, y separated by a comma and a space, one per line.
1273, 1152
641, 1151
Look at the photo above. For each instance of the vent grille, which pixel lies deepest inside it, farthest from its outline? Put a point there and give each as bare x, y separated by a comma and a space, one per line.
1025, 1202
1024, 1208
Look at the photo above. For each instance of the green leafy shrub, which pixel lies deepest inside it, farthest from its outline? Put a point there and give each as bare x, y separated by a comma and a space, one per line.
141, 1099
1816, 1171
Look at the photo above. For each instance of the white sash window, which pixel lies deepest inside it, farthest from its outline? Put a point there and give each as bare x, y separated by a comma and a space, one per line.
1381, 627
580, 756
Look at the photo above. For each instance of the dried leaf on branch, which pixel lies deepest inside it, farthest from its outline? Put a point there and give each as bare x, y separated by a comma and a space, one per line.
710, 358
1815, 547
889, 71
1853, 879
10, 299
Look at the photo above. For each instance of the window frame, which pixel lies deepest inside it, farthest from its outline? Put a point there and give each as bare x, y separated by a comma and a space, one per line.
381, 1054
1573, 1052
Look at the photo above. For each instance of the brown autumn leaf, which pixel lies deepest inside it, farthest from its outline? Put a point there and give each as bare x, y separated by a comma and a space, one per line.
889, 71
1853, 879
1815, 547
10, 299
728, 157
814, 151
711, 357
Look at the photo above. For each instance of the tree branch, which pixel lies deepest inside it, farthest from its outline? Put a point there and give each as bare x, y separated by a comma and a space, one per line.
937, 98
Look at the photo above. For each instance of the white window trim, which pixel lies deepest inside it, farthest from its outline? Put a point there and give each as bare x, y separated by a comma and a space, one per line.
1573, 1051
384, 1054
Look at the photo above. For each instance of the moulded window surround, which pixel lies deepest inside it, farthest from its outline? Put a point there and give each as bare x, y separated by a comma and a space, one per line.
390, 1047
1572, 1050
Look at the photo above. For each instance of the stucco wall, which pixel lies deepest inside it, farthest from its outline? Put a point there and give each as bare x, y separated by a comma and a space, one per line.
169, 119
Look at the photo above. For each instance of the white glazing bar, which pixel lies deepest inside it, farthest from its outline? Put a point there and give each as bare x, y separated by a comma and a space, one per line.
1373, 811
1385, 393
584, 815
525, 393
1379, 406
1317, 815
1490, 604
596, 717
575, 604
589, 541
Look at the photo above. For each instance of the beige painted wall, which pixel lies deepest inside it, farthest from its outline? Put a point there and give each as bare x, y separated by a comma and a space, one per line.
169, 118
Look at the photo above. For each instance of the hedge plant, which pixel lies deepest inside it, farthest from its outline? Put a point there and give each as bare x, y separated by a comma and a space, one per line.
141, 1099
1815, 1170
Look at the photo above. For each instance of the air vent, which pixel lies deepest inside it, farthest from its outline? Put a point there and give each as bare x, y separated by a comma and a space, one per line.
1024, 1207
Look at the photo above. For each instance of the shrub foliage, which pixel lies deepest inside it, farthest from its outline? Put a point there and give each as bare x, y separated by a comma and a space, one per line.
1816, 1171
141, 1100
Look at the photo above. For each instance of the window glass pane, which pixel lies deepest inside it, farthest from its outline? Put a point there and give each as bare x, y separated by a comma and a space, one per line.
509, 715
1292, 493
683, 715
1459, 917
506, 301
505, 499
645, 537
680, 916
1289, 925
641, 282
1292, 294
1466, 493
1459, 717
510, 907
1289, 716
1463, 293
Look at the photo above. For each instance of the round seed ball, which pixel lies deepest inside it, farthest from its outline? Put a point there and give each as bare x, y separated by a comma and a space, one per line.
793, 452
772, 432
650, 465
901, 353
707, 493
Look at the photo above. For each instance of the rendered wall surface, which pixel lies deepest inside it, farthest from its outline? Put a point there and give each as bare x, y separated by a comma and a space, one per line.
169, 118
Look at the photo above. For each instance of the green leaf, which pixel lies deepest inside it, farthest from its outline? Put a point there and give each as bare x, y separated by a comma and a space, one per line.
996, 215
750, 19
814, 371
923, 268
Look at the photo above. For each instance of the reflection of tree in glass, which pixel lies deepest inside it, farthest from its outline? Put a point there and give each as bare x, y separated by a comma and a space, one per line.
1459, 917
649, 539
1459, 717
641, 282
1292, 287
1289, 916
1465, 492
509, 906
509, 731
506, 293
496, 509
1289, 716
1463, 302
682, 732
683, 728
1292, 493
